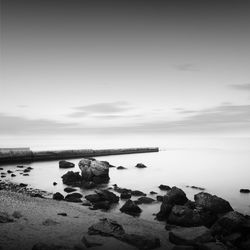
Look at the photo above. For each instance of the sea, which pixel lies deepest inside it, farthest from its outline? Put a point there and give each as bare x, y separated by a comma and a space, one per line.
220, 164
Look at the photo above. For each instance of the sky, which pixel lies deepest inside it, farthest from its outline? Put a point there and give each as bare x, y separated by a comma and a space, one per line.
70, 67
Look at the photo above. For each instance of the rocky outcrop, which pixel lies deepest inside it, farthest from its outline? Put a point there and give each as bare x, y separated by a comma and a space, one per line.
190, 236
111, 228
212, 203
95, 171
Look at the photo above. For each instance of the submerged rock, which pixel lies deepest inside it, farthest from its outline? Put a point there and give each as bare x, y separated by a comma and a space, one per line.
121, 168
190, 236
212, 203
140, 165
93, 170
66, 164
131, 208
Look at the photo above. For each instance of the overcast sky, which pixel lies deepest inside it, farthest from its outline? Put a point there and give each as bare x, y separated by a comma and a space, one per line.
138, 66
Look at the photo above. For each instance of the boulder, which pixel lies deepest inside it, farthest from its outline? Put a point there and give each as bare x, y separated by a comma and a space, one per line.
72, 178
66, 164
228, 223
246, 191
94, 198
164, 187
58, 196
108, 196
144, 200
69, 190
190, 236
153, 192
137, 193
130, 208
140, 165
74, 197
187, 217
125, 195
93, 170
212, 203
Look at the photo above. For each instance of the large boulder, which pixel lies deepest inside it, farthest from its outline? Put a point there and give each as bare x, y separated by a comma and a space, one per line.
229, 223
66, 164
175, 196
187, 217
212, 203
190, 236
72, 178
93, 170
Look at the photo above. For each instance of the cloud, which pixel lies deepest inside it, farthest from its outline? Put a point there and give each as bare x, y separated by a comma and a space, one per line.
185, 67
106, 108
243, 86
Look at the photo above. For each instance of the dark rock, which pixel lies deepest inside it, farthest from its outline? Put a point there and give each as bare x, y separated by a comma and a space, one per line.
140, 165
212, 203
37, 195
190, 236
159, 198
122, 190
233, 238
164, 187
106, 227
89, 184
229, 223
9, 171
89, 244
26, 170
73, 195
245, 191
54, 183
130, 208
58, 196
20, 166
153, 192
5, 217
198, 188
102, 205
93, 170
144, 200
94, 198
1, 168
187, 217
13, 175
62, 214
212, 246
23, 185
121, 168
30, 168
73, 199
66, 164
72, 178
137, 193
69, 190
125, 195
25, 174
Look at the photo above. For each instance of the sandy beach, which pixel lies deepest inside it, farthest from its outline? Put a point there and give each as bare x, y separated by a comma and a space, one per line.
40, 222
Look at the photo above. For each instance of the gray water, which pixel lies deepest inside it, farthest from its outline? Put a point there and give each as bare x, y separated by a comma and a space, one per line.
221, 165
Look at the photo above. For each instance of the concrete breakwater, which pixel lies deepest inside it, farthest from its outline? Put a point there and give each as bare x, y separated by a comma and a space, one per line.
24, 155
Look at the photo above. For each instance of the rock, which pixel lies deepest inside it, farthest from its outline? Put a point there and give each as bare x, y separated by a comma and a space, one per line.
9, 171
13, 175
153, 192
142, 242
66, 164
1, 168
62, 214
74, 197
30, 168
102, 205
121, 168
89, 244
5, 217
17, 214
20, 166
89, 184
125, 195
107, 195
190, 236
144, 200
130, 208
72, 178
164, 187
212, 203
198, 188
25, 174
212, 246
106, 227
245, 191
122, 190
23, 185
54, 183
69, 190
94, 198
229, 223
175, 196
137, 193
58, 196
26, 170
140, 165
184, 216
159, 198
49, 222
93, 170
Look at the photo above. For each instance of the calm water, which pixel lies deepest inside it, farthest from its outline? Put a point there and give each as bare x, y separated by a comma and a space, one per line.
219, 164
